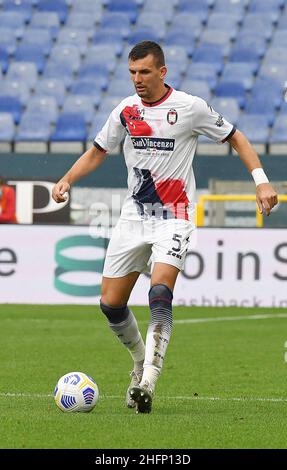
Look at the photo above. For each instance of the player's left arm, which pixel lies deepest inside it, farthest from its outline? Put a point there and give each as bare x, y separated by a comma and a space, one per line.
266, 196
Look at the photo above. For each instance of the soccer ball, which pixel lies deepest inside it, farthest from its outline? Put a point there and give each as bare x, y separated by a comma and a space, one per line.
76, 391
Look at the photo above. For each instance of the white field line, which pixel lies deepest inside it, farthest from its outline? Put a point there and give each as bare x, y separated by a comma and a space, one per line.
260, 316
117, 397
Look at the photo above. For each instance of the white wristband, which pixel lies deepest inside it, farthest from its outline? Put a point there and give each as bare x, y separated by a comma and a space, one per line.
259, 176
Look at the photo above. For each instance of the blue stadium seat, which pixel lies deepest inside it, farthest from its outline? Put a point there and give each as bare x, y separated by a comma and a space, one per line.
241, 54
121, 87
33, 127
242, 72
209, 55
176, 56
117, 21
255, 127
263, 105
4, 60
95, 71
75, 37
143, 34
16, 6
96, 53
80, 105
42, 38
17, 88
54, 6
153, 20
31, 53
231, 89
166, 9
186, 23
51, 87
8, 40
109, 37
173, 78
70, 127
231, 6
218, 37
99, 120
196, 88
279, 38
122, 70
275, 55
224, 22
110, 102
12, 105
46, 20
25, 71
45, 105
94, 9
58, 71
272, 7
270, 88
252, 41
276, 72
178, 38
82, 21
66, 55
203, 71
7, 127
261, 23
198, 7
128, 8
90, 88
282, 23
13, 20
227, 107
278, 132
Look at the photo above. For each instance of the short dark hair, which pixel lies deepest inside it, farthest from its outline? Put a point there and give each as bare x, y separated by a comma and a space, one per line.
144, 48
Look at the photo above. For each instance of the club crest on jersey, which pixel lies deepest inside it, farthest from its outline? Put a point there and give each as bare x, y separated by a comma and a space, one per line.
172, 117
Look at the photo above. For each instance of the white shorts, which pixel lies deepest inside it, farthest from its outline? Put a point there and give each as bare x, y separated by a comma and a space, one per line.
135, 245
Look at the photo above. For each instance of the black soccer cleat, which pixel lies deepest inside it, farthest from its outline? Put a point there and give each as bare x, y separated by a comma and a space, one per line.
142, 395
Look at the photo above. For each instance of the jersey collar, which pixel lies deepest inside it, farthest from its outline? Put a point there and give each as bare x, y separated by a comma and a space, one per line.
161, 100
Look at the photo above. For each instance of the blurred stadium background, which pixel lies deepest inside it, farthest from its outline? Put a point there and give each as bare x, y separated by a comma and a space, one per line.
63, 68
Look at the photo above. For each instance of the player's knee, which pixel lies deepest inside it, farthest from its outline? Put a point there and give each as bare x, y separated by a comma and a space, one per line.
160, 294
114, 314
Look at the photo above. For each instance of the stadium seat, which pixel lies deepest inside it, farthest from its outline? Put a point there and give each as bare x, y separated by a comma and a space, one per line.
16, 6
244, 54
117, 21
203, 71
143, 34
40, 37
272, 7
70, 127
270, 88
58, 71
252, 41
224, 22
51, 87
4, 60
242, 72
46, 20
33, 127
231, 89
74, 37
130, 8
255, 127
279, 38
82, 21
17, 88
261, 23
275, 55
45, 105
122, 71
98, 122
25, 71
109, 37
31, 53
80, 105
96, 53
95, 71
227, 107
276, 72
187, 23
230, 6
176, 56
218, 37
282, 23
263, 105
12, 105
110, 102
54, 6
90, 88
7, 127
198, 7
197, 88
66, 56
8, 40
182, 39
121, 87
13, 20
166, 9
152, 20
94, 9
278, 132
209, 55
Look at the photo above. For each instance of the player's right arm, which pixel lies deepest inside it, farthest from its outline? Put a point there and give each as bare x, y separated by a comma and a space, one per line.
86, 164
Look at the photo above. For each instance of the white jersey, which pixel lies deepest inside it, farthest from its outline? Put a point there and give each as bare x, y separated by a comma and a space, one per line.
160, 143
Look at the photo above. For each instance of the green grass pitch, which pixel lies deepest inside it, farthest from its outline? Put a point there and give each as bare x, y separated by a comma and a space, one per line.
223, 384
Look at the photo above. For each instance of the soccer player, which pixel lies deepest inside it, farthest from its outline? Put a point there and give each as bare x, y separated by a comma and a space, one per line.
160, 127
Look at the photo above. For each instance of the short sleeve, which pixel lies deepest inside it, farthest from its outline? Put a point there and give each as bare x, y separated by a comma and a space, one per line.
112, 133
206, 121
